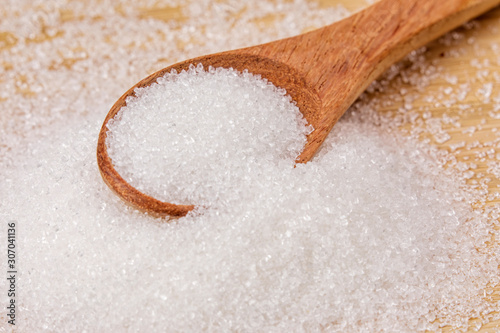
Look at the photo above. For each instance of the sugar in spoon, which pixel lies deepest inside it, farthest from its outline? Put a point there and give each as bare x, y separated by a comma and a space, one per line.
324, 71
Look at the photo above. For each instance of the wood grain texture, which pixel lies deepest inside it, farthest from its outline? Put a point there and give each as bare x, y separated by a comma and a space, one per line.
390, 100
324, 70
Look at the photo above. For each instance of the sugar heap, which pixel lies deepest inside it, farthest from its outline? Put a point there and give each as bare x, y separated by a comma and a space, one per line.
200, 135
371, 224
380, 232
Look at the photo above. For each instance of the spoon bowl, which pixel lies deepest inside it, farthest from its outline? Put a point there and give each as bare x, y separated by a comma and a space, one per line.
323, 71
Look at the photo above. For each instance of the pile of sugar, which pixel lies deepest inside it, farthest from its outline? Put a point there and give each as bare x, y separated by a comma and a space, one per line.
370, 234
202, 135
89, 262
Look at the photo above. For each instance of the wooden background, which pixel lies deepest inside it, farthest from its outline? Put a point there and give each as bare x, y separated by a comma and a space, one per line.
473, 61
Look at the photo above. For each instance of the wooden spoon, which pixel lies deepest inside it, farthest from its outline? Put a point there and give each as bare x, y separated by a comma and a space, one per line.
324, 71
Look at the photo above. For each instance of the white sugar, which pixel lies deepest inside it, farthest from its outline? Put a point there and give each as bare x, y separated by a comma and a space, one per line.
192, 136
369, 236
378, 233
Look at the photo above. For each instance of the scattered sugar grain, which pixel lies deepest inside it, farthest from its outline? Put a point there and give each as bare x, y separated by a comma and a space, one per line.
91, 263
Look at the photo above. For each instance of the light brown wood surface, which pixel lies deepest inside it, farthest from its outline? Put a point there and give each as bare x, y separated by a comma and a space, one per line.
474, 44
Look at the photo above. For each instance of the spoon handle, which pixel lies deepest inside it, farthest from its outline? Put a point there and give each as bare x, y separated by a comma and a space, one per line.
339, 61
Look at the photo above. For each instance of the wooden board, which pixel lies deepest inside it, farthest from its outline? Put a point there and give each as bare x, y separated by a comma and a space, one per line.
473, 60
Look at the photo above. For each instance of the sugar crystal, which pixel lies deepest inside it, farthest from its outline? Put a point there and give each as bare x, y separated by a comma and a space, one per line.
380, 232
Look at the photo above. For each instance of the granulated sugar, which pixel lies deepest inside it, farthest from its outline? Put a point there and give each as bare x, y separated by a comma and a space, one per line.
373, 225
198, 135
372, 235
380, 232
